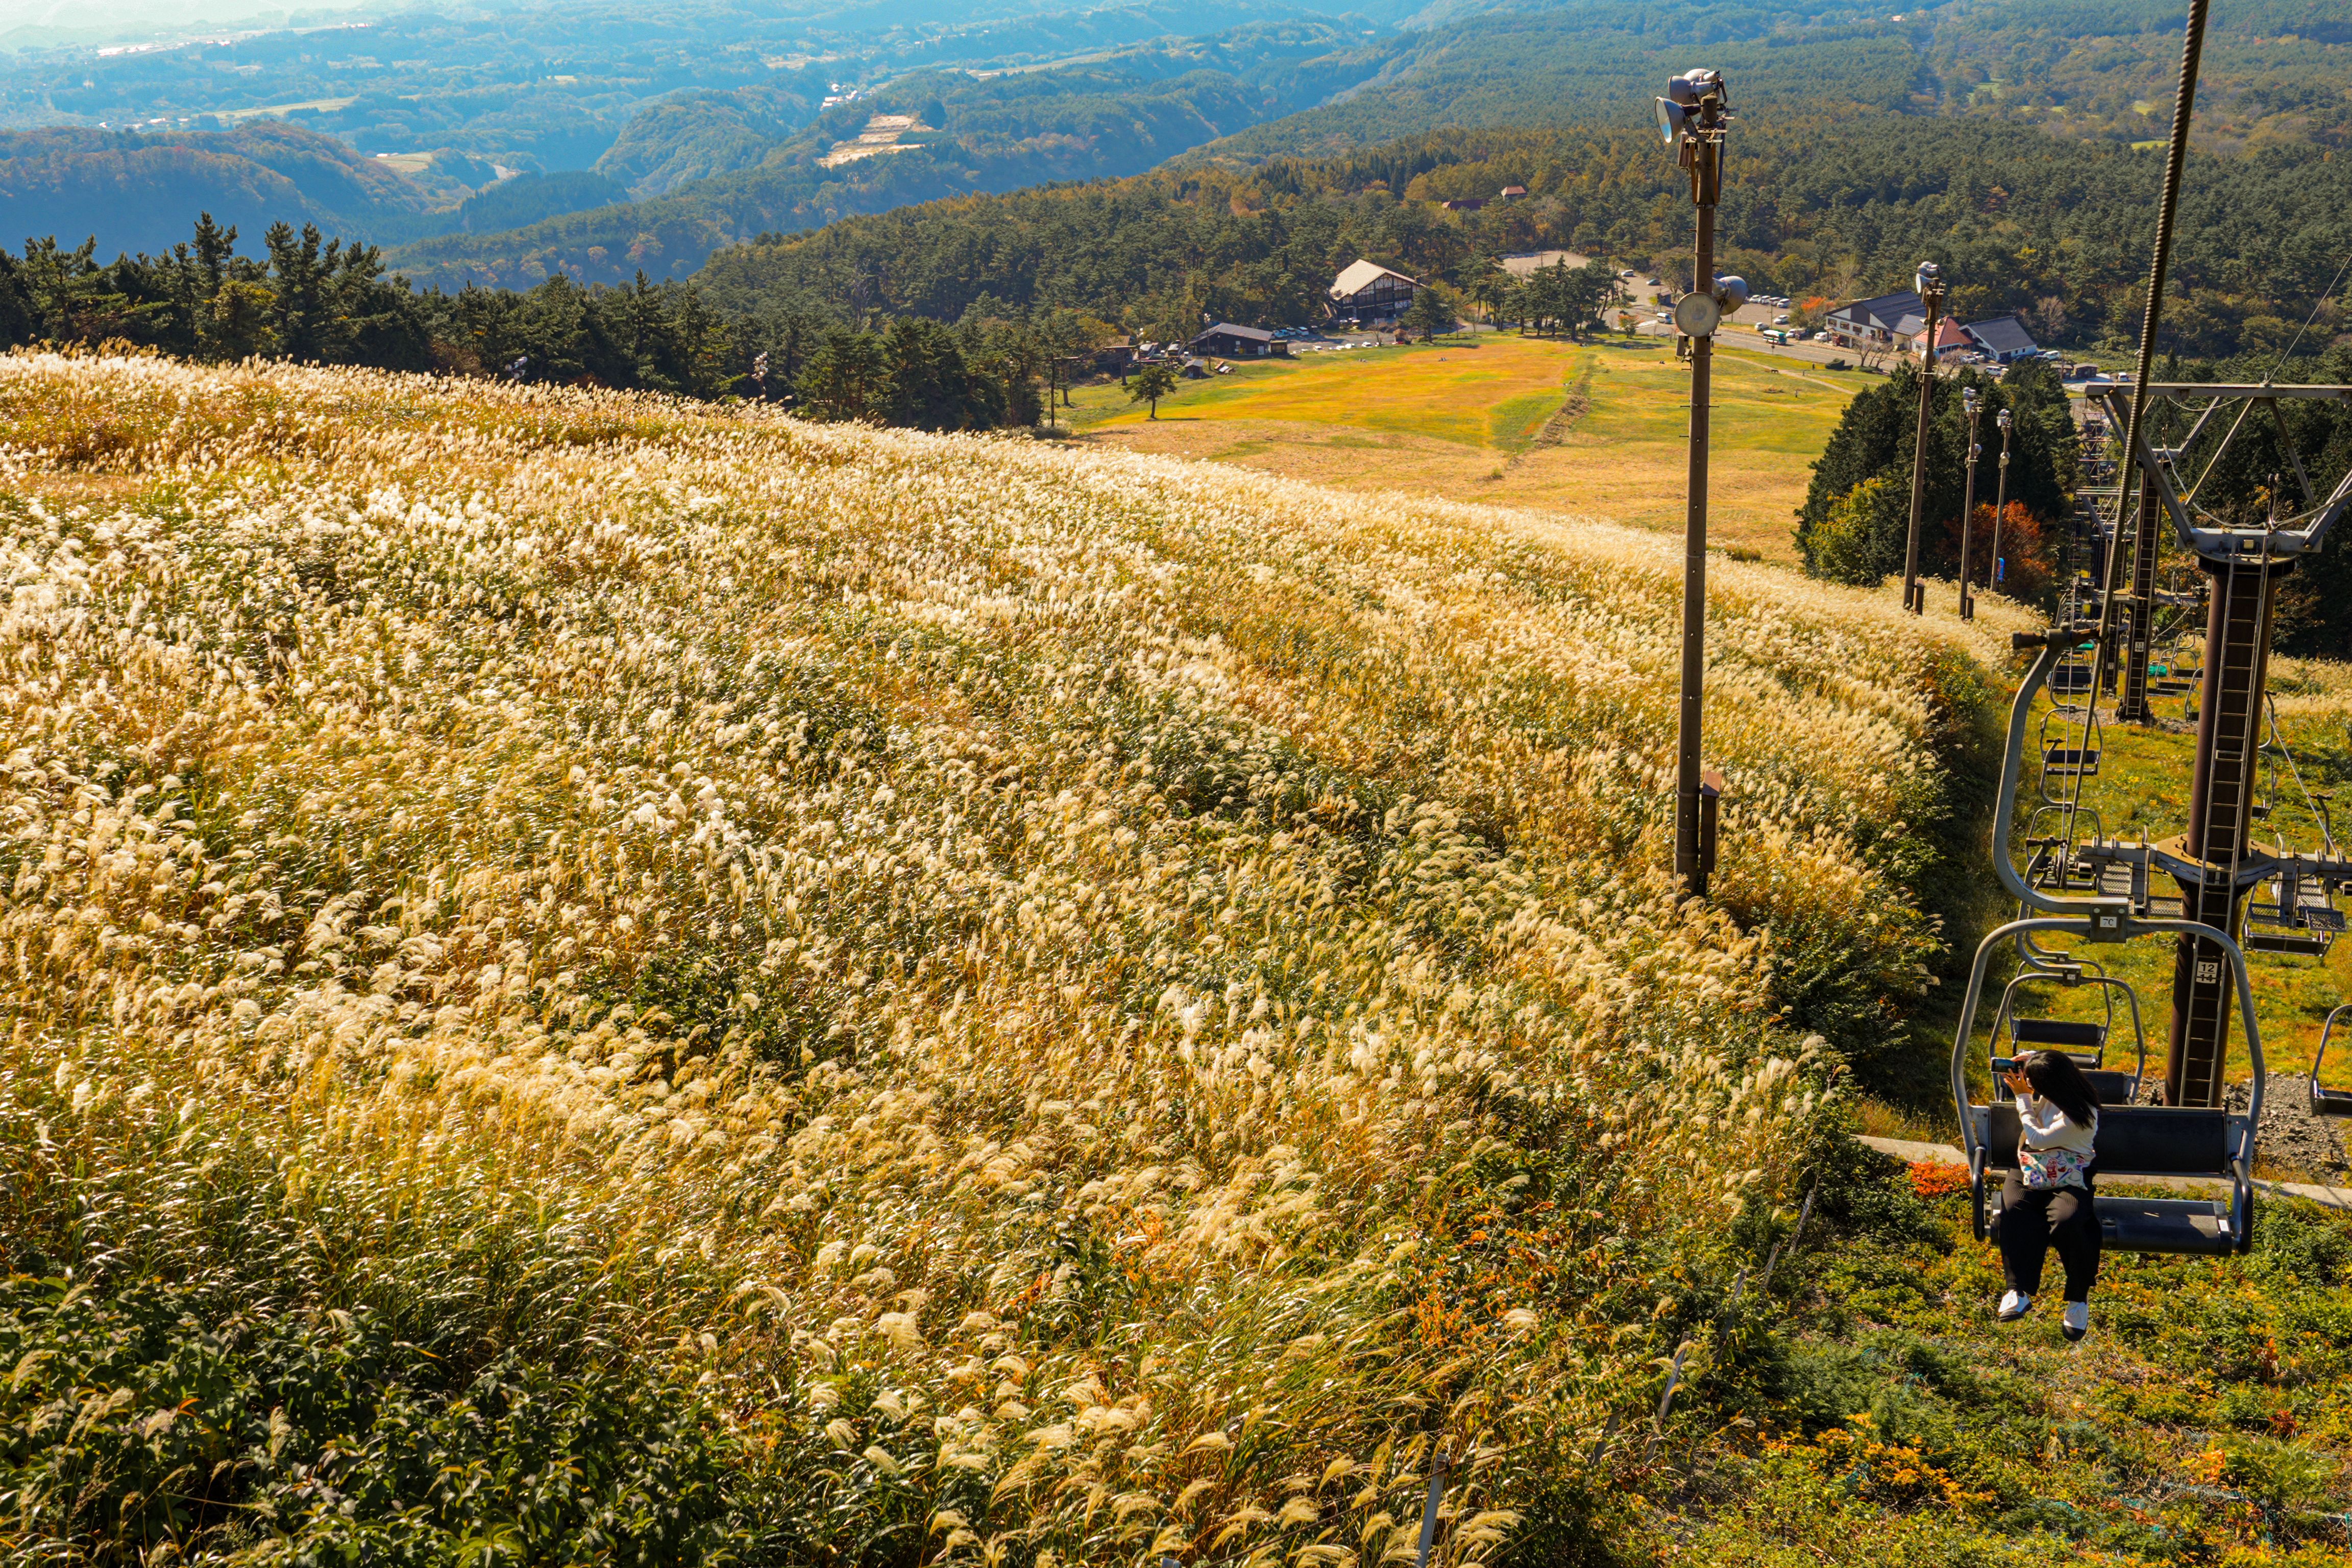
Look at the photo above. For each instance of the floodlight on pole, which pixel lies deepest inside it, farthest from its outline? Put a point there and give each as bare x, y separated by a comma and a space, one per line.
1692, 117
2000, 496
1929, 282
1973, 401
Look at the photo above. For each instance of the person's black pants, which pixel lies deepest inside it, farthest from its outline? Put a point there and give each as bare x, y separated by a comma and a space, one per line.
2035, 1219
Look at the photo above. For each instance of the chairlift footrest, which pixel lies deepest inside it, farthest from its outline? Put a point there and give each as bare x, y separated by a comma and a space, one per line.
2192, 1226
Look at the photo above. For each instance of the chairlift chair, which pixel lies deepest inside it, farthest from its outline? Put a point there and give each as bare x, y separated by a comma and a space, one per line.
2083, 1041
2053, 832
2326, 1101
2300, 919
2132, 1139
2068, 757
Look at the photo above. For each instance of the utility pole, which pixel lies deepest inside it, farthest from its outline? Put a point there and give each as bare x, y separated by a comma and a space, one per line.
1999, 497
1929, 282
1692, 118
1973, 401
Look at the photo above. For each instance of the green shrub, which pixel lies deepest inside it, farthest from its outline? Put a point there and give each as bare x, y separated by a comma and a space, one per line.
155, 1414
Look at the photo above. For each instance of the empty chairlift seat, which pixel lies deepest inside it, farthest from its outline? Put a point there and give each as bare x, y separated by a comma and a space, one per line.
2072, 760
2070, 680
2141, 1140
2085, 1042
2326, 1101
2309, 927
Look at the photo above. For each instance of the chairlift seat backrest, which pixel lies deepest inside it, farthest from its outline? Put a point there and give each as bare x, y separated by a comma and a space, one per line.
2331, 1102
2112, 1087
2067, 1033
2133, 1141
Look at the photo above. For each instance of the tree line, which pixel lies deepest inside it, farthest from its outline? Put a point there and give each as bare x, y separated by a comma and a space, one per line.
308, 298
1854, 522
1817, 201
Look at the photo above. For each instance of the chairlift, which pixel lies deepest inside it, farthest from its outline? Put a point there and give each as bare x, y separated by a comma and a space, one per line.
2326, 1101
2132, 1139
2072, 754
2299, 919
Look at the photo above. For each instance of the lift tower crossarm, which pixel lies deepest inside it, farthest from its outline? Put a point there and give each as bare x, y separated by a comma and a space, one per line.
2243, 544
2225, 389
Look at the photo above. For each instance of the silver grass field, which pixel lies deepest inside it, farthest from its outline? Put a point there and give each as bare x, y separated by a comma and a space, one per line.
1076, 1006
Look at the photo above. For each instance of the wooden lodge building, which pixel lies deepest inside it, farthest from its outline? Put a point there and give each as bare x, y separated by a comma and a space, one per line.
1230, 342
1368, 293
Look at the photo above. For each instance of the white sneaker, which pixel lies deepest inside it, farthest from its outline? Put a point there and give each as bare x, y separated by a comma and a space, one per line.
2015, 1305
2078, 1319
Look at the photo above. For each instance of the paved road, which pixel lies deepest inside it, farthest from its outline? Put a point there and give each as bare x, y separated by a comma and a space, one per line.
1944, 1154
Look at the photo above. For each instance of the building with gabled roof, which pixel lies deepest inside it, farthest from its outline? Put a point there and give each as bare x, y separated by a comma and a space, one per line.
1878, 323
1367, 291
1949, 334
1237, 342
2004, 338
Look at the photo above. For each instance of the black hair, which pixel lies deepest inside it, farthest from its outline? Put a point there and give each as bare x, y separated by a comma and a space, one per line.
2056, 1079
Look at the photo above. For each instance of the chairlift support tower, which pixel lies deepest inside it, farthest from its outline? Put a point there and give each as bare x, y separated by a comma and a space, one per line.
1929, 284
2217, 863
2214, 862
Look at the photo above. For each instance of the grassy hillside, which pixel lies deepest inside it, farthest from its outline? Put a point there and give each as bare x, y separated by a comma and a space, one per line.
861, 989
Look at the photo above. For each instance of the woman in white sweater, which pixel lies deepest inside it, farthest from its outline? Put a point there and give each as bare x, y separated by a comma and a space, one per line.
2048, 1202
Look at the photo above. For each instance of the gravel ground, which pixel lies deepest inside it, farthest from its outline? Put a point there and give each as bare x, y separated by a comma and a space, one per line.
2291, 1137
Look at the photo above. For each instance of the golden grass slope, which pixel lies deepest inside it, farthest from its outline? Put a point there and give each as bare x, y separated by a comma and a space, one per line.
1026, 967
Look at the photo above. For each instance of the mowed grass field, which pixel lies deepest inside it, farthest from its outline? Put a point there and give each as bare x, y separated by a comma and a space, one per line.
1597, 428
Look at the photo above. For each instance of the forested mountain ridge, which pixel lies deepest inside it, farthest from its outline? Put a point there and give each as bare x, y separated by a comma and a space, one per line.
2275, 73
707, 115
1814, 201
141, 191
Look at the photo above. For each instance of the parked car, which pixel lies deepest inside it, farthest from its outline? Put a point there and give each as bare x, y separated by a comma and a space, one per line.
1780, 321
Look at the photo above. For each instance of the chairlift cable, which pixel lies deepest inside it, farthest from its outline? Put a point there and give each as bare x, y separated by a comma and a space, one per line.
2326, 294
2175, 157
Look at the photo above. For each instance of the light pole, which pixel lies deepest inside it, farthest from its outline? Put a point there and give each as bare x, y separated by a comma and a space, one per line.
1692, 117
1973, 401
1999, 497
1929, 281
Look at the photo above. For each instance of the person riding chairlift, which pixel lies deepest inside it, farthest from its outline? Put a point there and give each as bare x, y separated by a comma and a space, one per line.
2048, 1201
